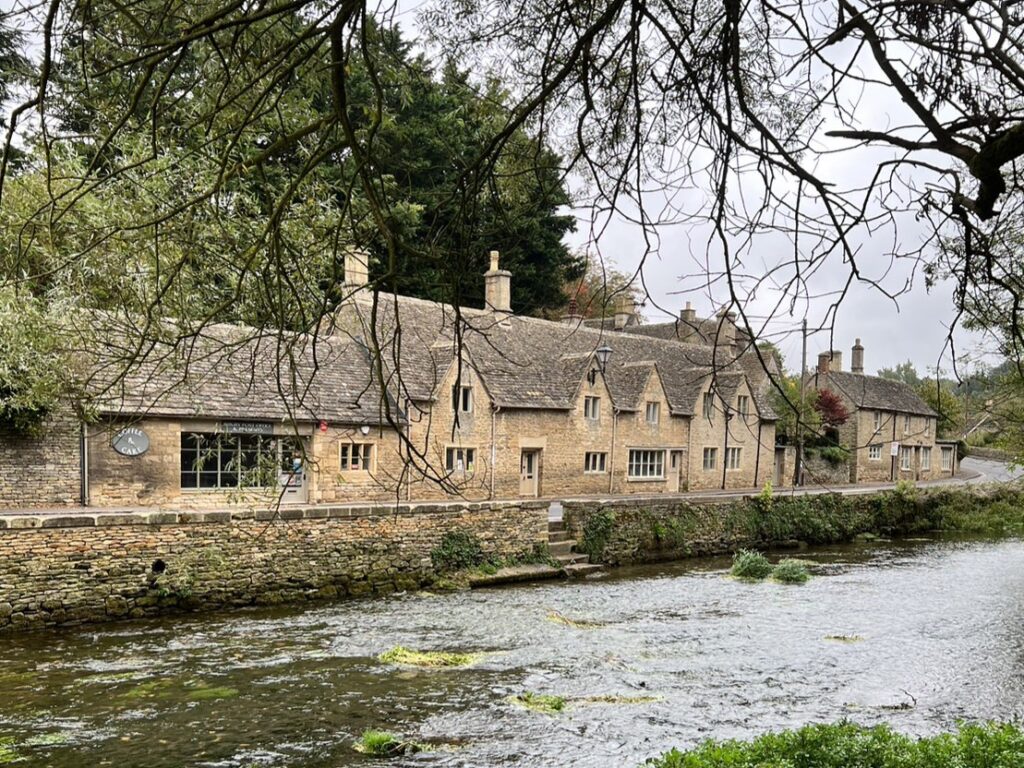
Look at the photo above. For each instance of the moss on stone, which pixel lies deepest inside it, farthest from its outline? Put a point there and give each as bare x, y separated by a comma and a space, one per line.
385, 744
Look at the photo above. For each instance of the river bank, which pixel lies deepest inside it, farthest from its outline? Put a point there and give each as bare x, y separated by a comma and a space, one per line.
68, 571
919, 635
620, 532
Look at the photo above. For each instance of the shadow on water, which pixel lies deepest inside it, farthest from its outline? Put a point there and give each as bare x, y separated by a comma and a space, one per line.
918, 633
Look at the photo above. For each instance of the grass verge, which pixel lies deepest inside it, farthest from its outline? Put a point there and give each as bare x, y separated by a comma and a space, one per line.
847, 745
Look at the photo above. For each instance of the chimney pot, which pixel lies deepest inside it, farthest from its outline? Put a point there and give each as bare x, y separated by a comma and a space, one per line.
824, 359
689, 315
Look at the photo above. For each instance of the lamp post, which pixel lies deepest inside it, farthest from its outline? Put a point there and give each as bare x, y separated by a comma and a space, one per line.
603, 353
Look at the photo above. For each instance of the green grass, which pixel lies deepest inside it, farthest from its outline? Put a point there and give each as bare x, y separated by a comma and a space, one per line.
790, 571
749, 564
408, 657
541, 702
846, 745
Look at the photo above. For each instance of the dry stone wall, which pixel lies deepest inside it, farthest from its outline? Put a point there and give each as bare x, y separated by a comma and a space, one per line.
44, 469
75, 569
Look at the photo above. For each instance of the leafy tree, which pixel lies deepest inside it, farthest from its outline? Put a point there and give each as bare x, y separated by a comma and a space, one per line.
34, 368
831, 409
795, 413
596, 291
905, 372
941, 397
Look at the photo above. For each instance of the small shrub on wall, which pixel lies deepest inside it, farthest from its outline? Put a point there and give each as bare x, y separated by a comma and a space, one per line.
457, 550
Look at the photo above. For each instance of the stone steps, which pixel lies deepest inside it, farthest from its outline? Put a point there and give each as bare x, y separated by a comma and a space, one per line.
562, 549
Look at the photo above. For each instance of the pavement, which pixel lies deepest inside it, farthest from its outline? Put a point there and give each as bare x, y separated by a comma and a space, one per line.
972, 471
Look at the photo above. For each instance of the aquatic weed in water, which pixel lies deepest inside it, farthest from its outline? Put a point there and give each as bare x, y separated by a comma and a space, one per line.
750, 564
790, 571
406, 656
540, 702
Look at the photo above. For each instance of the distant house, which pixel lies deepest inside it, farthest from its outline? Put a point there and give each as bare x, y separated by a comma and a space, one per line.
891, 432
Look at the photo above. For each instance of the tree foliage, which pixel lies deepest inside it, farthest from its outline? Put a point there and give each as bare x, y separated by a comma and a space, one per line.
830, 408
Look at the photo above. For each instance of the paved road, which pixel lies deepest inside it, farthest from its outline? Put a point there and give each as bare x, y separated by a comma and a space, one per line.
991, 471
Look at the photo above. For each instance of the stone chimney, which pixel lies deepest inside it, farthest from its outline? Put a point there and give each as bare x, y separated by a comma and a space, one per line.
624, 310
357, 270
857, 358
725, 333
498, 286
688, 316
572, 315
830, 361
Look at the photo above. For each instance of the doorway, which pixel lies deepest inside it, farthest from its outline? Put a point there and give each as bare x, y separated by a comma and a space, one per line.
675, 472
529, 473
293, 472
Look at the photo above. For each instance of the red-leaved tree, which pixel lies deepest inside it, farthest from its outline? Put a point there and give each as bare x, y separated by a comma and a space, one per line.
830, 406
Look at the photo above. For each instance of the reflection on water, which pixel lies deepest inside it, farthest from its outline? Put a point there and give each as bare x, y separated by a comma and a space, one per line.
933, 634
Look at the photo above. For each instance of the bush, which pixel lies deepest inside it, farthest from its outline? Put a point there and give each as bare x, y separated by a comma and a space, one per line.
846, 745
791, 571
834, 454
748, 564
457, 550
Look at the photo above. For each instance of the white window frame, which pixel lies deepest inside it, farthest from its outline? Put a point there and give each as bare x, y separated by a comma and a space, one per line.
653, 413
592, 408
906, 458
908, 423
712, 454
875, 452
878, 421
926, 459
456, 454
743, 406
355, 457
946, 458
646, 464
927, 426
709, 405
595, 463
733, 458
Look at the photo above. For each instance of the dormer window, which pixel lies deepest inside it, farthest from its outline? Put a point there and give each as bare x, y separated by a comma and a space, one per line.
878, 420
462, 399
709, 405
743, 406
592, 408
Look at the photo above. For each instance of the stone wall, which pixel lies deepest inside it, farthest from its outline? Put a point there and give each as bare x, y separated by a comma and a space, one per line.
75, 569
44, 468
620, 531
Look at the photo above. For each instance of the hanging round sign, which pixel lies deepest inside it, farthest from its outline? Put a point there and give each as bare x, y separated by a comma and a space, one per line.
131, 441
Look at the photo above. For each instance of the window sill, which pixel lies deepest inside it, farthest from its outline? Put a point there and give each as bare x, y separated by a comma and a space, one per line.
645, 479
595, 472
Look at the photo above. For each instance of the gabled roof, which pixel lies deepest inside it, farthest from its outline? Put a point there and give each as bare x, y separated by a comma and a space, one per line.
527, 362
874, 392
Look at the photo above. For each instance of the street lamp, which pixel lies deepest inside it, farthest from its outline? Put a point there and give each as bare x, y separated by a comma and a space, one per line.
603, 353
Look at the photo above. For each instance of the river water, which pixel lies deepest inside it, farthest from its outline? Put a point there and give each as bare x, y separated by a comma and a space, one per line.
933, 633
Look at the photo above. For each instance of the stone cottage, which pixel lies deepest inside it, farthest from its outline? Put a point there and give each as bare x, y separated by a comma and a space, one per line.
401, 399
891, 432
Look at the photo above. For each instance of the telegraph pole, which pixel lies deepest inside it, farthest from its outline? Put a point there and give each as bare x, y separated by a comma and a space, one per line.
798, 478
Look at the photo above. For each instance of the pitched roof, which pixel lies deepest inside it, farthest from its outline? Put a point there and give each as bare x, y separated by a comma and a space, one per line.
874, 392
527, 362
236, 372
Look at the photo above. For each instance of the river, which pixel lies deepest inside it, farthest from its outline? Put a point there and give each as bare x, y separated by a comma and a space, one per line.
917, 633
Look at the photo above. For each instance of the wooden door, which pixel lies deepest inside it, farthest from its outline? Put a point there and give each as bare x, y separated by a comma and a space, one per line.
529, 473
